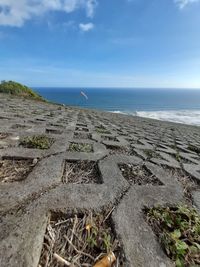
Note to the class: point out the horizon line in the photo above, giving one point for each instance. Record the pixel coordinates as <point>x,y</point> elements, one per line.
<point>113,87</point>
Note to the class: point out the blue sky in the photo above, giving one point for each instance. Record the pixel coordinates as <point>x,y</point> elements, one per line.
<point>101,43</point>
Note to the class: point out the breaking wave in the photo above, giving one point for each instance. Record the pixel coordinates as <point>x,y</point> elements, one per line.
<point>191,117</point>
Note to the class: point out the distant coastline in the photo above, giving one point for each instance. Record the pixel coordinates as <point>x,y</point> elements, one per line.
<point>176,105</point>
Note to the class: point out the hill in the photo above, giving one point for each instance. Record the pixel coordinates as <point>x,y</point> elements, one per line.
<point>14,88</point>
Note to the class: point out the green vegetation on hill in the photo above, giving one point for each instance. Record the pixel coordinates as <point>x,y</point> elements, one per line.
<point>14,88</point>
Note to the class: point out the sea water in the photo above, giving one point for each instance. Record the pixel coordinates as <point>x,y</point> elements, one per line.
<point>177,105</point>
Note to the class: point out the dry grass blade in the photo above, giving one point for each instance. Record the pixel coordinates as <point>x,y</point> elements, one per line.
<point>80,240</point>
<point>61,260</point>
<point>80,172</point>
<point>138,175</point>
<point>14,170</point>
<point>78,251</point>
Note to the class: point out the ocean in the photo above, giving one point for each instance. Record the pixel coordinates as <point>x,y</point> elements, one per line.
<point>176,105</point>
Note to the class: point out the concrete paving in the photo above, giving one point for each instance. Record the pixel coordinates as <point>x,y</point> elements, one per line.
<point>25,206</point>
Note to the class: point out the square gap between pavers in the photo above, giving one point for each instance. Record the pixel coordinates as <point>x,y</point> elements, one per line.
<point>81,172</point>
<point>15,169</point>
<point>40,120</point>
<point>82,135</point>
<point>139,175</point>
<point>177,230</point>
<point>52,131</point>
<point>81,125</point>
<point>116,150</point>
<point>81,239</point>
<point>56,125</point>
<point>36,142</point>
<point>109,138</point>
<point>102,130</point>
<point>19,126</point>
<point>81,147</point>
<point>81,129</point>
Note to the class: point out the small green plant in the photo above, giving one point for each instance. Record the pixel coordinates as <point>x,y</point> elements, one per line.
<point>178,157</point>
<point>150,153</point>
<point>173,147</point>
<point>194,148</point>
<point>37,141</point>
<point>178,229</point>
<point>98,236</point>
<point>80,147</point>
<point>92,237</point>
<point>102,130</point>
<point>107,241</point>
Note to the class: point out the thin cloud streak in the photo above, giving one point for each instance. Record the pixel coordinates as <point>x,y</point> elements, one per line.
<point>69,77</point>
<point>183,3</point>
<point>16,13</point>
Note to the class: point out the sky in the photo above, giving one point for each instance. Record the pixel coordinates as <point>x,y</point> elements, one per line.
<point>101,43</point>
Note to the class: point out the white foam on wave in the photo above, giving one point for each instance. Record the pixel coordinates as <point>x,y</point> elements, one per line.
<point>191,117</point>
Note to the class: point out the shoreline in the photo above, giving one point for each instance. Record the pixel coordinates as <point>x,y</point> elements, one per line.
<point>117,112</point>
<point>174,106</point>
<point>188,117</point>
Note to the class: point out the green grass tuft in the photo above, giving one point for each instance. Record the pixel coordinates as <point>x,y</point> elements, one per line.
<point>80,147</point>
<point>178,229</point>
<point>194,148</point>
<point>39,142</point>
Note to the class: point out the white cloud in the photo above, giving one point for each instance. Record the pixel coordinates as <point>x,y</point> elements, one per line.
<point>86,27</point>
<point>183,3</point>
<point>90,7</point>
<point>16,12</point>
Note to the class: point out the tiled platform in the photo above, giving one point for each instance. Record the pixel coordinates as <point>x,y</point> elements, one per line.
<point>111,142</point>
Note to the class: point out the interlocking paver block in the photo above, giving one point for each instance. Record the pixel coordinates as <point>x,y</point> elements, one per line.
<point>98,162</point>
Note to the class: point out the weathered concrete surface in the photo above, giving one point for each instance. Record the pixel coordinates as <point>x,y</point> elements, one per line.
<point>25,206</point>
